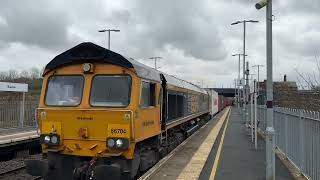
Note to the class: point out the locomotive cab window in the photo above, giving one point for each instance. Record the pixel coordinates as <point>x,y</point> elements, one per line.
<point>148,92</point>
<point>64,90</point>
<point>110,91</point>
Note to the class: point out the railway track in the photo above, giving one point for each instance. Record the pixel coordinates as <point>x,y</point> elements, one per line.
<point>15,170</point>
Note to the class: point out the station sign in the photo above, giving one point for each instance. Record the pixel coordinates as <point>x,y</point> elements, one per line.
<point>13,87</point>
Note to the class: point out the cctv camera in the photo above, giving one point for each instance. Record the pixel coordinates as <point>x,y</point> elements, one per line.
<point>261,4</point>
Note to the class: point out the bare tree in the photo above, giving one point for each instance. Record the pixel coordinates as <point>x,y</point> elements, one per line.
<point>12,74</point>
<point>34,73</point>
<point>3,76</point>
<point>25,74</point>
<point>310,79</point>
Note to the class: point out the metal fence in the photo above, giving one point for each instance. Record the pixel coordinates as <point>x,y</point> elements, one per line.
<point>297,136</point>
<point>11,115</point>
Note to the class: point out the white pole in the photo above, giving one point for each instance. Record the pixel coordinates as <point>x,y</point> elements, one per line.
<point>247,90</point>
<point>251,108</point>
<point>109,39</point>
<point>255,116</point>
<point>235,90</point>
<point>22,110</point>
<point>238,84</point>
<point>244,73</point>
<point>270,131</point>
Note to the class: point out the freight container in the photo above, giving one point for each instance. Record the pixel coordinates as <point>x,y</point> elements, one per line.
<point>213,104</point>
<point>221,103</point>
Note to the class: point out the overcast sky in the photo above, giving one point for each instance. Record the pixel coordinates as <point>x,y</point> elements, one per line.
<point>194,37</point>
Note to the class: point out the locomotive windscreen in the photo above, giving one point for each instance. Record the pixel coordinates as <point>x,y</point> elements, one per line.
<point>110,91</point>
<point>64,90</point>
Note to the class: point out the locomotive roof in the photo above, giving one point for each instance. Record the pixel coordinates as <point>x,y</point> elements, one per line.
<point>90,52</point>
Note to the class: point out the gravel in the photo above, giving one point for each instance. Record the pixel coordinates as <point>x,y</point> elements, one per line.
<point>15,169</point>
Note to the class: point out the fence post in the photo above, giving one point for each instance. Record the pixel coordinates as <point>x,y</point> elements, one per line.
<point>255,122</point>
<point>285,133</point>
<point>301,140</point>
<point>22,110</point>
<point>251,116</point>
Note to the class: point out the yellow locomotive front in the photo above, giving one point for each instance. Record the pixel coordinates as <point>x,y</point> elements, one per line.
<point>79,112</point>
<point>90,116</point>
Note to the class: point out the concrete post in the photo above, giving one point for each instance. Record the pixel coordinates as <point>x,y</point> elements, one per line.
<point>22,111</point>
<point>255,116</point>
<point>238,84</point>
<point>270,156</point>
<point>244,72</point>
<point>109,39</point>
<point>251,115</point>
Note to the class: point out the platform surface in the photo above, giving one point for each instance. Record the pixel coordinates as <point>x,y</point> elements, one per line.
<point>13,136</point>
<point>238,158</point>
<point>188,162</point>
<point>199,158</point>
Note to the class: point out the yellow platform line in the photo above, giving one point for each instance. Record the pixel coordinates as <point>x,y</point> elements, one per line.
<point>194,167</point>
<point>216,160</point>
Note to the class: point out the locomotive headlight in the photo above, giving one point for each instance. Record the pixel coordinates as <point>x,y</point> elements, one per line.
<point>87,68</point>
<point>50,139</point>
<point>54,139</point>
<point>110,143</point>
<point>119,143</point>
<point>47,139</point>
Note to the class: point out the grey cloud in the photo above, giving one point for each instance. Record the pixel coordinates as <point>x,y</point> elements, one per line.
<point>33,25</point>
<point>300,7</point>
<point>297,40</point>
<point>191,36</point>
<point>185,25</point>
<point>122,16</point>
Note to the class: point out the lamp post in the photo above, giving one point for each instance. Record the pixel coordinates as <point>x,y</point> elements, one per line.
<point>155,61</point>
<point>270,156</point>
<point>235,91</point>
<point>258,66</point>
<point>109,30</point>
<point>238,85</point>
<point>251,78</point>
<point>251,92</point>
<point>255,115</point>
<point>245,91</point>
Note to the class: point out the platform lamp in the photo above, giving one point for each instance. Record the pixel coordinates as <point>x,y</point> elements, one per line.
<point>270,131</point>
<point>244,69</point>
<point>109,30</point>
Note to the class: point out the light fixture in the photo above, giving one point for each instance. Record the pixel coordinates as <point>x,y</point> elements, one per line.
<point>110,143</point>
<point>47,139</point>
<point>50,139</point>
<point>54,139</point>
<point>86,67</point>
<point>119,143</point>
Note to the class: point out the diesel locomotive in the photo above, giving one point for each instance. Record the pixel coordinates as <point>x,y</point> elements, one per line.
<point>105,116</point>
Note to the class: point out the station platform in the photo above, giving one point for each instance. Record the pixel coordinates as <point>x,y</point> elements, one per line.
<point>221,150</point>
<point>11,137</point>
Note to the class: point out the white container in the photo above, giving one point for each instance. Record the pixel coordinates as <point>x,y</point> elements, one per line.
<point>213,101</point>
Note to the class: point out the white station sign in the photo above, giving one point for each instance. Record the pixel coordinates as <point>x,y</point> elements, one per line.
<point>13,87</point>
